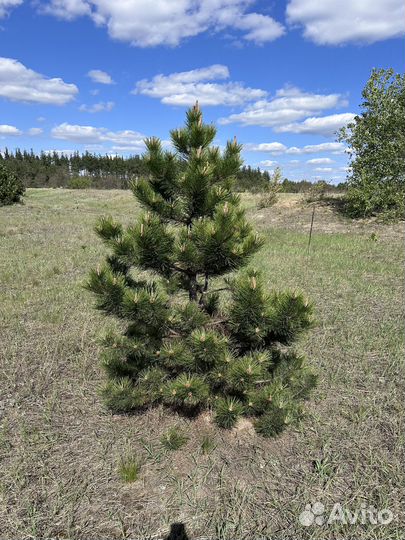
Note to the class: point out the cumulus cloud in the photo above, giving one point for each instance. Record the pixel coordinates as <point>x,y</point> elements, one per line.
<point>320,161</point>
<point>267,163</point>
<point>259,28</point>
<point>288,105</point>
<point>276,148</point>
<point>332,22</point>
<point>325,125</point>
<point>6,130</point>
<point>7,5</point>
<point>332,147</point>
<point>130,140</point>
<point>98,107</point>
<point>271,148</point>
<point>66,9</point>
<point>186,87</point>
<point>34,131</point>
<point>168,22</point>
<point>100,77</point>
<point>323,169</point>
<point>19,83</point>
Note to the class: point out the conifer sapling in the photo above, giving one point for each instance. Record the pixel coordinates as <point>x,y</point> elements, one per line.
<point>194,337</point>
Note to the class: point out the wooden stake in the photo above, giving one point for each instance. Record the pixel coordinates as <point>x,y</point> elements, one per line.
<point>310,230</point>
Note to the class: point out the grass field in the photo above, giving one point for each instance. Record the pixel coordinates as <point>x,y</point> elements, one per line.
<point>70,469</point>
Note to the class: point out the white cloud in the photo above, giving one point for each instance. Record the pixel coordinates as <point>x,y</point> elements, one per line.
<point>289,105</point>
<point>100,77</point>
<point>7,5</point>
<point>323,169</point>
<point>6,130</point>
<point>276,148</point>
<point>186,87</point>
<point>35,131</point>
<point>267,163</point>
<point>67,9</point>
<point>19,83</point>
<point>333,147</point>
<point>332,22</point>
<point>167,22</point>
<point>272,148</point>
<point>131,140</point>
<point>325,125</point>
<point>260,28</point>
<point>98,107</point>
<point>320,161</point>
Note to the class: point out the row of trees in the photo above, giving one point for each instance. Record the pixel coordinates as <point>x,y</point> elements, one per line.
<point>54,169</point>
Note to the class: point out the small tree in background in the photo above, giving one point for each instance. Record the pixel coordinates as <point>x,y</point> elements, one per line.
<point>181,346</point>
<point>318,191</point>
<point>11,187</point>
<point>270,195</point>
<point>376,140</point>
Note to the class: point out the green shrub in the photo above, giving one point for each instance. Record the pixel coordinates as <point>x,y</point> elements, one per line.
<point>376,144</point>
<point>365,199</point>
<point>11,187</point>
<point>80,182</point>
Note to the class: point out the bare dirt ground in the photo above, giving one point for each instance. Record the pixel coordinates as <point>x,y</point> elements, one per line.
<point>60,450</point>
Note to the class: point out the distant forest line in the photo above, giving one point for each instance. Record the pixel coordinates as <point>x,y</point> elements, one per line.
<point>87,170</point>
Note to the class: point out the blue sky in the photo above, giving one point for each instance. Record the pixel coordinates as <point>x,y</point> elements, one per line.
<point>282,76</point>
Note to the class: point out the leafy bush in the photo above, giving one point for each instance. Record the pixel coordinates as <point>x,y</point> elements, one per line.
<point>366,198</point>
<point>80,182</point>
<point>182,346</point>
<point>11,187</point>
<point>376,142</point>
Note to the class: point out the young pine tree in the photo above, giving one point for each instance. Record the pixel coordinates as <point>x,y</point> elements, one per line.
<point>182,346</point>
<point>270,194</point>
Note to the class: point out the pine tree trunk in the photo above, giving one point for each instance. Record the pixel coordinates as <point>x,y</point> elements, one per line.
<point>193,288</point>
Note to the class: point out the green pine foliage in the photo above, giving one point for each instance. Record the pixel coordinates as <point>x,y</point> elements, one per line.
<point>194,337</point>
<point>11,187</point>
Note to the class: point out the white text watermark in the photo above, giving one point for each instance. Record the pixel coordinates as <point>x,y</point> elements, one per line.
<point>316,514</point>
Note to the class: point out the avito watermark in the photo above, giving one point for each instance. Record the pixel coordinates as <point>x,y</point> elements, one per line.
<point>316,514</point>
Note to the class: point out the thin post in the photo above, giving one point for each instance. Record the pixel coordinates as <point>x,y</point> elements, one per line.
<point>310,230</point>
